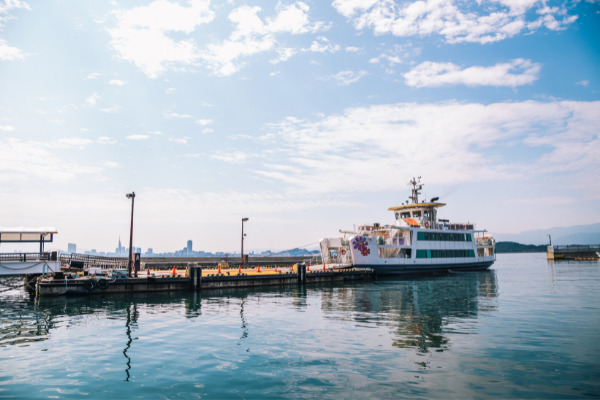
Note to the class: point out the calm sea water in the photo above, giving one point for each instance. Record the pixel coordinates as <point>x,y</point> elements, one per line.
<point>524,329</point>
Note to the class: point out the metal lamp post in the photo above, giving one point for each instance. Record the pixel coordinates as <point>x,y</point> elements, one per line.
<point>243,258</point>
<point>132,197</point>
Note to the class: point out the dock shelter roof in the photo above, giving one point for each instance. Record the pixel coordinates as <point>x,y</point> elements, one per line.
<point>27,235</point>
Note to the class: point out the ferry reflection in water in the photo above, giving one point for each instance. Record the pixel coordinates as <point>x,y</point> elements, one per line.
<point>421,311</point>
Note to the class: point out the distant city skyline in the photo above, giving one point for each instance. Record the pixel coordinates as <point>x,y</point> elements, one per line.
<point>305,116</point>
<point>187,251</point>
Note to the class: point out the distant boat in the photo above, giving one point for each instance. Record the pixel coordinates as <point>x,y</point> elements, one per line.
<point>417,242</point>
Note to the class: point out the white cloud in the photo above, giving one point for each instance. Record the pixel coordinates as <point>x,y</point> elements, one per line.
<point>183,140</point>
<point>116,82</point>
<point>584,82</point>
<point>10,53</point>
<point>353,49</point>
<point>177,115</point>
<point>142,34</point>
<point>106,140</point>
<point>111,164</point>
<point>348,77</point>
<point>23,160</point>
<point>198,121</point>
<point>517,72</point>
<point>71,142</point>
<point>203,122</point>
<point>449,143</point>
<point>138,137</point>
<point>235,157</point>
<point>456,21</point>
<point>111,110</point>
<point>284,54</point>
<point>7,128</point>
<point>323,45</point>
<point>252,35</point>
<point>394,56</point>
<point>92,99</point>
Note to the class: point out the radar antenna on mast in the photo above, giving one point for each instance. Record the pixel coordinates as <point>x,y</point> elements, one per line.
<point>416,189</point>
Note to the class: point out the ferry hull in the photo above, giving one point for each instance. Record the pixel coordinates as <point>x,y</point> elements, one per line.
<point>395,270</point>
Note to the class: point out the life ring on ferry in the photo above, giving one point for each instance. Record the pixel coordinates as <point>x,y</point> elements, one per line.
<point>426,224</point>
<point>343,252</point>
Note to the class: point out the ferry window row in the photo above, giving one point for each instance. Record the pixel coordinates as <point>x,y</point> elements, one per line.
<point>445,253</point>
<point>444,237</point>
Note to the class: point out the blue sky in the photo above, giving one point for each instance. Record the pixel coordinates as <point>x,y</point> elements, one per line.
<point>305,116</point>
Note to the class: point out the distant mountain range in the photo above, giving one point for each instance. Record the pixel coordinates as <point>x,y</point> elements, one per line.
<point>579,234</point>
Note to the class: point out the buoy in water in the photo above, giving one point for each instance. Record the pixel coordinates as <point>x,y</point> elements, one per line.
<point>174,270</point>
<point>240,269</point>
<point>258,269</point>
<point>219,269</point>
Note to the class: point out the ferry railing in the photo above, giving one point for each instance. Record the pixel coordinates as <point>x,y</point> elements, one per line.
<point>452,226</point>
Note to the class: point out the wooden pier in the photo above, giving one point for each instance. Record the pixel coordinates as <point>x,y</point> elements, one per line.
<point>193,278</point>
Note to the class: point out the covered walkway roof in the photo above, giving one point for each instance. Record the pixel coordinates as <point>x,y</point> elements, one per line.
<point>27,235</point>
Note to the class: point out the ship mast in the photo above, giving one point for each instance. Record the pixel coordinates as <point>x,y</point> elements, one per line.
<point>416,189</point>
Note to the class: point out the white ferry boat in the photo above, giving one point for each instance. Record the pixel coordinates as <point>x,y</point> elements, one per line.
<point>418,242</point>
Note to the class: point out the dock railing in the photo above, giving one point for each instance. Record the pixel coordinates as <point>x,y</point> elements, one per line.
<point>25,257</point>
<point>576,247</point>
<point>87,261</point>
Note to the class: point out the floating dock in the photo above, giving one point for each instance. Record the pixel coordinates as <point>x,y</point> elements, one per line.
<point>574,252</point>
<point>192,278</point>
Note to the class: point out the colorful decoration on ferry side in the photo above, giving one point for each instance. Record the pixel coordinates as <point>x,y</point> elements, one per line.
<point>360,243</point>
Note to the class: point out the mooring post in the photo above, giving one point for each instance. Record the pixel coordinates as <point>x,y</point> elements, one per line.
<point>300,269</point>
<point>196,276</point>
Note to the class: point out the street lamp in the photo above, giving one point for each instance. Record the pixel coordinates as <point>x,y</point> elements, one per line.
<point>243,258</point>
<point>132,197</point>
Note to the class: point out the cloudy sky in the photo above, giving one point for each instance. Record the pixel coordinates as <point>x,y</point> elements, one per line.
<point>305,116</point>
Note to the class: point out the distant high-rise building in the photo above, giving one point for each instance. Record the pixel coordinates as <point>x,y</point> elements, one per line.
<point>72,248</point>
<point>189,247</point>
<point>120,250</point>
